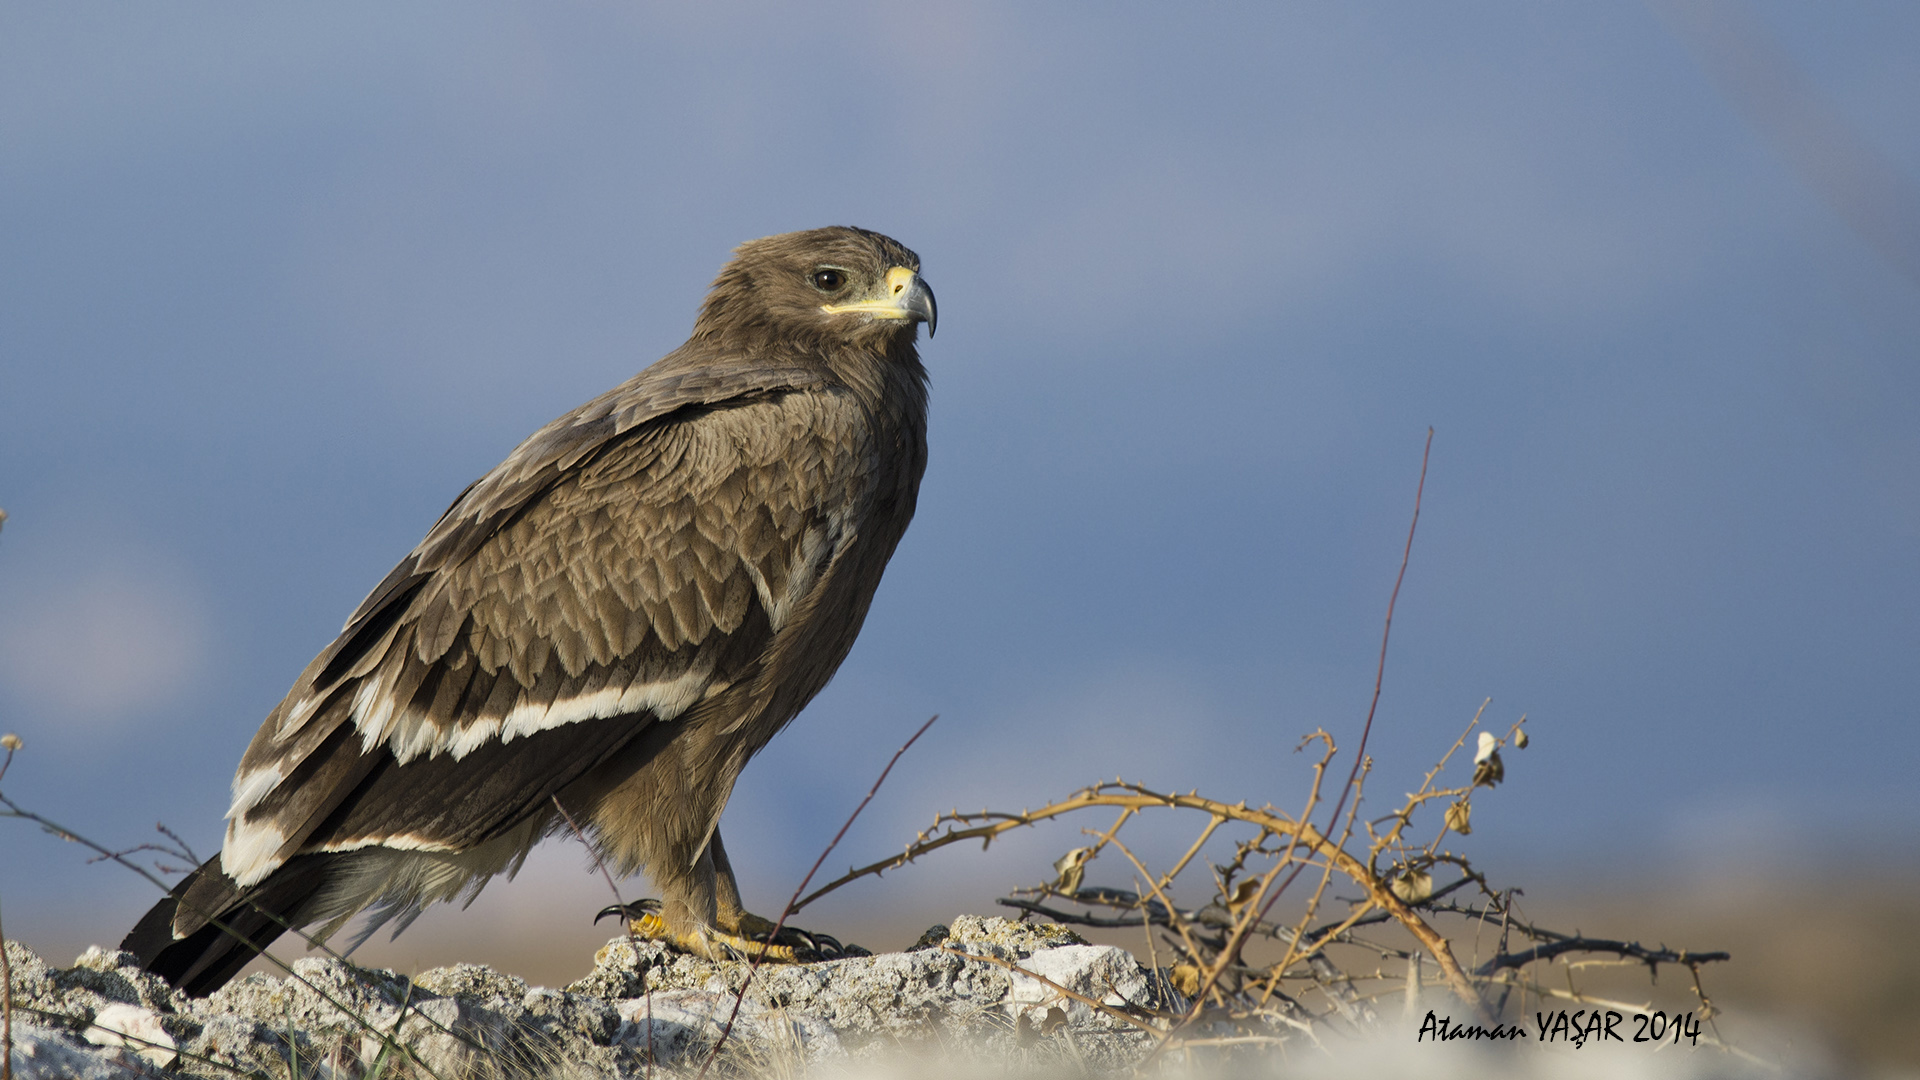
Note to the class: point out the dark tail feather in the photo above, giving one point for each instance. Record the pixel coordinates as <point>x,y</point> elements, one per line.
<point>179,942</point>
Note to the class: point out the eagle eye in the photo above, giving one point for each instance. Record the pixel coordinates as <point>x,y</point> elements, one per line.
<point>828,280</point>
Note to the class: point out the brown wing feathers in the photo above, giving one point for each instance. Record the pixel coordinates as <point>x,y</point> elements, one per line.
<point>594,602</point>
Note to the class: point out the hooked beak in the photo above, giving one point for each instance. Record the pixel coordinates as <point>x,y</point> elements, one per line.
<point>903,296</point>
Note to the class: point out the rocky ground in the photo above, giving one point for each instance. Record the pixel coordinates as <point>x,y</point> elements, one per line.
<point>643,1010</point>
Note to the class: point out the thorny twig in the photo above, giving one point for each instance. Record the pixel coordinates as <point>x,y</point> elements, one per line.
<point>1629,950</point>
<point>951,828</point>
<point>1395,891</point>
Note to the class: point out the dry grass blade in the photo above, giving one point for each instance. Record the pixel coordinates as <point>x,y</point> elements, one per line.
<point>6,1008</point>
<point>11,809</point>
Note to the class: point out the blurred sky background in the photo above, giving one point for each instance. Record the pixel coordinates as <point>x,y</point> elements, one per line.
<point>277,281</point>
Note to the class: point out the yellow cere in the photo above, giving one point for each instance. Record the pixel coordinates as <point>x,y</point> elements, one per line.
<point>892,305</point>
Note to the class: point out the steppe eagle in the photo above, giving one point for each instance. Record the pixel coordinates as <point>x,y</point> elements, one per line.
<point>615,617</point>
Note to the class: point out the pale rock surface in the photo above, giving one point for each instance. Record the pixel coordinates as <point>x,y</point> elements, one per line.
<point>132,1028</point>
<point>42,1053</point>
<point>1102,973</point>
<point>642,1007</point>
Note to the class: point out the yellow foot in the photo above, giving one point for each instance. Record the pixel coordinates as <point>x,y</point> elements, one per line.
<point>807,945</point>
<point>738,935</point>
<point>714,943</point>
<point>749,925</point>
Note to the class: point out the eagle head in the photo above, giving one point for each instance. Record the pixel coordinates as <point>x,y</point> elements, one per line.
<point>827,288</point>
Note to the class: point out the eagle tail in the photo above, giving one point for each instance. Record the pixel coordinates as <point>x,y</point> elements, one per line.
<point>209,927</point>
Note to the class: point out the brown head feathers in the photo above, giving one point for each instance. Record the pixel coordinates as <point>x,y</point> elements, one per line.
<point>773,297</point>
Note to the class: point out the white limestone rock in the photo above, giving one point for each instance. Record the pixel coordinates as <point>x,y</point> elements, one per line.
<point>44,1053</point>
<point>134,1029</point>
<point>642,1006</point>
<point>1102,973</point>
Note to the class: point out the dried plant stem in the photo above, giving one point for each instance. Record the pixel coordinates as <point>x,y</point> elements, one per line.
<point>1249,916</point>
<point>793,904</point>
<point>1300,933</point>
<point>1146,931</point>
<point>1380,671</point>
<point>1173,914</point>
<point>1112,830</point>
<point>1426,793</point>
<point>1386,633</point>
<point>594,854</point>
<point>1166,880</point>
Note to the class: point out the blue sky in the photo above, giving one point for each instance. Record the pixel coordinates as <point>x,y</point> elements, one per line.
<point>278,281</point>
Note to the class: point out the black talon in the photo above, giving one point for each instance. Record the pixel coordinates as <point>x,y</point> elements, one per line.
<point>644,906</point>
<point>823,944</point>
<point>817,945</point>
